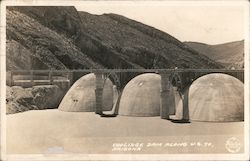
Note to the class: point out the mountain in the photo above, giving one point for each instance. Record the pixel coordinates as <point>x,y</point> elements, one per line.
<point>231,54</point>
<point>62,38</point>
<point>48,46</point>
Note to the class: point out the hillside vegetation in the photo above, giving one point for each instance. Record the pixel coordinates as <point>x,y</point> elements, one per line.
<point>231,55</point>
<point>63,38</point>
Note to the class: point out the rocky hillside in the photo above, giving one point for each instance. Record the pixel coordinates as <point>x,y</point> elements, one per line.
<point>63,38</point>
<point>229,54</point>
<point>46,47</point>
<point>20,99</point>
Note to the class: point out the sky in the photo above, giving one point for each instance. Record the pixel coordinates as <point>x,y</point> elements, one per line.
<point>200,22</point>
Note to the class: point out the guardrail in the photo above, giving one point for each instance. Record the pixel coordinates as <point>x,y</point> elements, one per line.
<point>39,77</point>
<point>128,70</point>
<point>68,74</point>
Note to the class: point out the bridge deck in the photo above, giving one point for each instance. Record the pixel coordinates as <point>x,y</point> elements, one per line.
<point>126,70</point>
<point>122,75</point>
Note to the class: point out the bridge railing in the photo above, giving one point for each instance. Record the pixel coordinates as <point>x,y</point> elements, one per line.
<point>29,78</point>
<point>128,70</point>
<point>34,77</point>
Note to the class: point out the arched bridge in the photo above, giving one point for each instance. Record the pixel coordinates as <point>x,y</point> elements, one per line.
<point>180,78</point>
<point>120,77</point>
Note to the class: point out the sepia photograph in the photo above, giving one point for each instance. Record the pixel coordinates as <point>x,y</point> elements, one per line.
<point>124,80</point>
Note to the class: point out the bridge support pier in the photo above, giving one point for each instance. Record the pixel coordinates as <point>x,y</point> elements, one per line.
<point>99,93</point>
<point>165,96</point>
<point>11,79</point>
<point>185,112</point>
<point>70,78</point>
<point>50,77</point>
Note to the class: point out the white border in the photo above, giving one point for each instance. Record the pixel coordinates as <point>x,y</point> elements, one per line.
<point>246,78</point>
<point>3,81</point>
<point>245,156</point>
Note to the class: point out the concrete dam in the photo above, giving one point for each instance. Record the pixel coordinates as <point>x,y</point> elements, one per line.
<point>195,95</point>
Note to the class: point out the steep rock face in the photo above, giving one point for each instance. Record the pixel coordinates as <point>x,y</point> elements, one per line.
<point>48,96</point>
<point>19,57</point>
<point>61,37</point>
<point>53,49</point>
<point>64,20</point>
<point>138,43</point>
<point>231,55</point>
<point>20,99</point>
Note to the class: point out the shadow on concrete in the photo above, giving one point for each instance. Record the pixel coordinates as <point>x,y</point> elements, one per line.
<point>182,121</point>
<point>108,115</point>
<point>185,114</point>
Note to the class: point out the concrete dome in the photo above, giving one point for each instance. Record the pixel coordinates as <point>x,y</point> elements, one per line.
<point>81,96</point>
<point>215,97</point>
<point>141,96</point>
